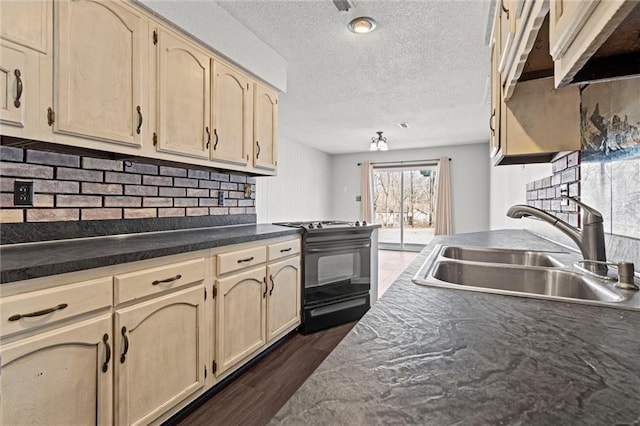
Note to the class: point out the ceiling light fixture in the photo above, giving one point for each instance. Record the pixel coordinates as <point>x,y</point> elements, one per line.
<point>379,143</point>
<point>362,25</point>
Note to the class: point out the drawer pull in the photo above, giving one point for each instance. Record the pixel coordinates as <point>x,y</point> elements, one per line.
<point>285,250</point>
<point>248,259</point>
<point>105,366</point>
<point>123,357</point>
<point>38,313</point>
<point>167,280</point>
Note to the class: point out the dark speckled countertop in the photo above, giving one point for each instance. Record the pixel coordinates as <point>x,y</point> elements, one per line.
<point>24,261</point>
<point>426,355</point>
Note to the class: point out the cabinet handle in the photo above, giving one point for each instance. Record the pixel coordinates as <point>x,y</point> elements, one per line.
<point>167,280</point>
<point>105,366</point>
<point>38,313</point>
<point>215,144</point>
<point>208,136</point>
<point>272,285</point>
<point>258,153</point>
<point>123,357</point>
<point>504,9</point>
<point>19,87</point>
<point>139,119</point>
<point>248,259</point>
<point>266,287</point>
<point>285,250</point>
<point>493,131</point>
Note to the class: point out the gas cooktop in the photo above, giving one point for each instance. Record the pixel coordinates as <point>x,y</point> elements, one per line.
<point>324,224</point>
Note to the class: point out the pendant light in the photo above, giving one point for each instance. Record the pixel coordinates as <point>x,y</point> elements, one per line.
<point>379,143</point>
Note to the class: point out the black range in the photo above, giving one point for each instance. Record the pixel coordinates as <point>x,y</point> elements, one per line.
<point>336,271</point>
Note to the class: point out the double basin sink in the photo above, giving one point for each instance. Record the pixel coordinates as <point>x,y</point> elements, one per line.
<point>524,273</point>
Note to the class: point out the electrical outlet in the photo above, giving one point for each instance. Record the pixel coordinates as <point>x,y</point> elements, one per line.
<point>221,198</point>
<point>22,193</point>
<point>247,190</point>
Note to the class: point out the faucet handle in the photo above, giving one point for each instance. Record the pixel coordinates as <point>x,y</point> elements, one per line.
<point>590,215</point>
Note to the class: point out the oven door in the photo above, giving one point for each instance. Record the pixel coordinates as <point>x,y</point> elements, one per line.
<point>336,267</point>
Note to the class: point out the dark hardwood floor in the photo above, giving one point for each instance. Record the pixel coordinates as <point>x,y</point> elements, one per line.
<point>256,396</point>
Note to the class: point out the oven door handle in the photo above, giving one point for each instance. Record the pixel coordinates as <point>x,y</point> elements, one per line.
<point>324,248</point>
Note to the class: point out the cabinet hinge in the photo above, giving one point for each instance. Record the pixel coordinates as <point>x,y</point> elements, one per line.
<point>214,367</point>
<point>51,116</point>
<point>205,294</point>
<point>276,102</point>
<point>214,292</point>
<point>205,371</point>
<point>247,86</point>
<point>155,37</point>
<point>155,139</point>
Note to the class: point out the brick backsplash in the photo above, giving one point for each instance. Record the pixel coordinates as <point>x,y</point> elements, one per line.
<point>77,188</point>
<point>546,193</point>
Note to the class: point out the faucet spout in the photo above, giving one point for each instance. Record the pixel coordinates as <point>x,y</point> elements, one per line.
<point>520,210</point>
<point>590,240</point>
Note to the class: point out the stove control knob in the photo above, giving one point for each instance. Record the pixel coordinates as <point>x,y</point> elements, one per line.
<point>357,223</point>
<point>319,225</point>
<point>311,226</point>
<point>364,223</point>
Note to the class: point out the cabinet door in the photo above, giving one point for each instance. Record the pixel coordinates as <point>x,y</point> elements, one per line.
<point>26,23</point>
<point>183,97</point>
<point>60,377</point>
<point>14,78</point>
<point>566,20</point>
<point>231,109</point>
<point>265,124</point>
<point>241,310</point>
<point>159,354</point>
<point>283,309</point>
<point>496,92</point>
<point>99,70</point>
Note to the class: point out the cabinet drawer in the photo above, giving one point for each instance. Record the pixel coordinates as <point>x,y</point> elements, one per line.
<point>283,249</point>
<point>135,285</point>
<point>38,308</point>
<point>240,259</point>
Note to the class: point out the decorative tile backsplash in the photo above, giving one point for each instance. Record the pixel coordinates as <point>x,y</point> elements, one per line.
<point>546,194</point>
<point>610,122</point>
<point>78,188</point>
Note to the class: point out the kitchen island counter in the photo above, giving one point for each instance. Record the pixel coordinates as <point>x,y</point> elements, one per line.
<point>32,260</point>
<point>427,355</point>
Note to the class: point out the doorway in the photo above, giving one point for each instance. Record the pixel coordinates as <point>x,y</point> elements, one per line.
<point>403,203</point>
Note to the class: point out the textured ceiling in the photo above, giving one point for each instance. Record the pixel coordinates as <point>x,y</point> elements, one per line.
<point>425,64</point>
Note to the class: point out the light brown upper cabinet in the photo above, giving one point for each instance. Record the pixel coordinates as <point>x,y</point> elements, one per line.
<point>594,40</point>
<point>520,28</point>
<point>265,124</point>
<point>99,71</point>
<point>231,115</point>
<point>183,97</point>
<point>496,93</point>
<point>15,76</point>
<point>26,23</point>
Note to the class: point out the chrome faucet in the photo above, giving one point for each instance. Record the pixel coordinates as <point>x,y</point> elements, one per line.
<point>590,239</point>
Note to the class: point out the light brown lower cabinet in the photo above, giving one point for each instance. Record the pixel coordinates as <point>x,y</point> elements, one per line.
<point>63,376</point>
<point>159,357</point>
<point>137,345</point>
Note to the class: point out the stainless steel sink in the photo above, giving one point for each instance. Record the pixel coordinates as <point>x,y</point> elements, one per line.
<point>494,255</point>
<point>523,273</point>
<point>540,281</point>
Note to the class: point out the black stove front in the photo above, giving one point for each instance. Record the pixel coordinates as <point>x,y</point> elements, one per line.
<point>336,273</point>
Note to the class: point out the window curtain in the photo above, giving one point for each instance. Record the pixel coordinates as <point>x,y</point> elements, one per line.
<point>366,191</point>
<point>443,225</point>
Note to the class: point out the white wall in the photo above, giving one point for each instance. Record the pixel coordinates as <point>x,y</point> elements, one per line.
<point>469,181</point>
<point>210,23</point>
<point>302,189</point>
<point>509,187</point>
